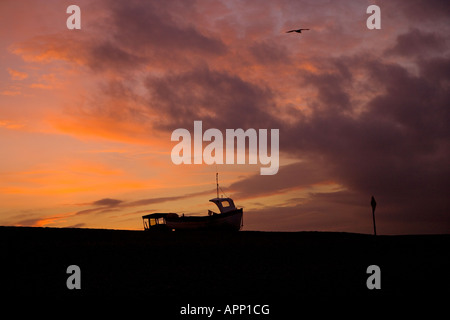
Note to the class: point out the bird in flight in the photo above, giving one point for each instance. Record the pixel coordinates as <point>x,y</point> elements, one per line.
<point>298,30</point>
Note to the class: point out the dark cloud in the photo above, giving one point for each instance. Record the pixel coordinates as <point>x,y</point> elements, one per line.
<point>396,148</point>
<point>144,202</point>
<point>107,55</point>
<point>419,11</point>
<point>107,202</point>
<point>332,88</point>
<point>90,211</point>
<point>28,222</point>
<point>393,145</point>
<point>155,29</point>
<point>292,176</point>
<point>128,36</point>
<point>269,52</point>
<point>155,33</point>
<point>111,205</point>
<point>437,70</point>
<point>335,211</point>
<point>416,42</point>
<point>216,97</point>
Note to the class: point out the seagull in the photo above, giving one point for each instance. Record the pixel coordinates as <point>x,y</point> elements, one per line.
<point>298,30</point>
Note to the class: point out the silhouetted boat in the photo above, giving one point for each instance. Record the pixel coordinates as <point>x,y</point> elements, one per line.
<point>229,218</point>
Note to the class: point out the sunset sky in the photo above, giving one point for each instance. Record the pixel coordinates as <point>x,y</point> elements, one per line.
<point>86,116</point>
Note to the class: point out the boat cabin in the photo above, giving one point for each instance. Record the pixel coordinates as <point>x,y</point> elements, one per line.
<point>154,221</point>
<point>224,204</point>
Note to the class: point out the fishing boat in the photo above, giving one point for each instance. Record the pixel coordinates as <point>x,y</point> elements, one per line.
<point>229,218</point>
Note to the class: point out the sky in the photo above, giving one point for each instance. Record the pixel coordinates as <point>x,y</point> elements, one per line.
<point>86,116</point>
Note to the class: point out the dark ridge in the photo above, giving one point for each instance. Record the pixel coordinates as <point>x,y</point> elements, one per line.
<point>260,265</point>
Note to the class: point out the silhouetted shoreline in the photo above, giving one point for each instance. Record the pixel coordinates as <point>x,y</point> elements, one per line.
<point>241,265</point>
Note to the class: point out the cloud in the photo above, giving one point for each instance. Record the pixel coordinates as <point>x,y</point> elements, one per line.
<point>390,141</point>
<point>138,34</point>
<point>52,47</point>
<point>10,93</point>
<point>48,220</point>
<point>17,75</point>
<point>332,211</point>
<point>290,177</point>
<point>10,124</point>
<point>219,98</point>
<point>269,52</point>
<point>416,42</point>
<point>41,86</point>
<point>420,11</point>
<point>161,28</point>
<point>395,148</point>
<point>106,56</point>
<point>107,202</point>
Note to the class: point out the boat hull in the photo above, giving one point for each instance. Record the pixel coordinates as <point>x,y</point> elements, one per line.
<point>231,221</point>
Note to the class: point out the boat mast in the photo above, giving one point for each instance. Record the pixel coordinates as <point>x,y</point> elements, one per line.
<point>217,184</point>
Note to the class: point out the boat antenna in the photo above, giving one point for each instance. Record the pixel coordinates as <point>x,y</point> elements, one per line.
<point>217,183</point>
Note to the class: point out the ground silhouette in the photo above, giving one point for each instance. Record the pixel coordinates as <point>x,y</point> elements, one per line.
<point>256,266</point>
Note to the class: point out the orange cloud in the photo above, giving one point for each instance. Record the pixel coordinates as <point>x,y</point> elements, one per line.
<point>106,128</point>
<point>53,219</point>
<point>48,48</point>
<point>10,93</point>
<point>17,75</point>
<point>41,86</point>
<point>10,125</point>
